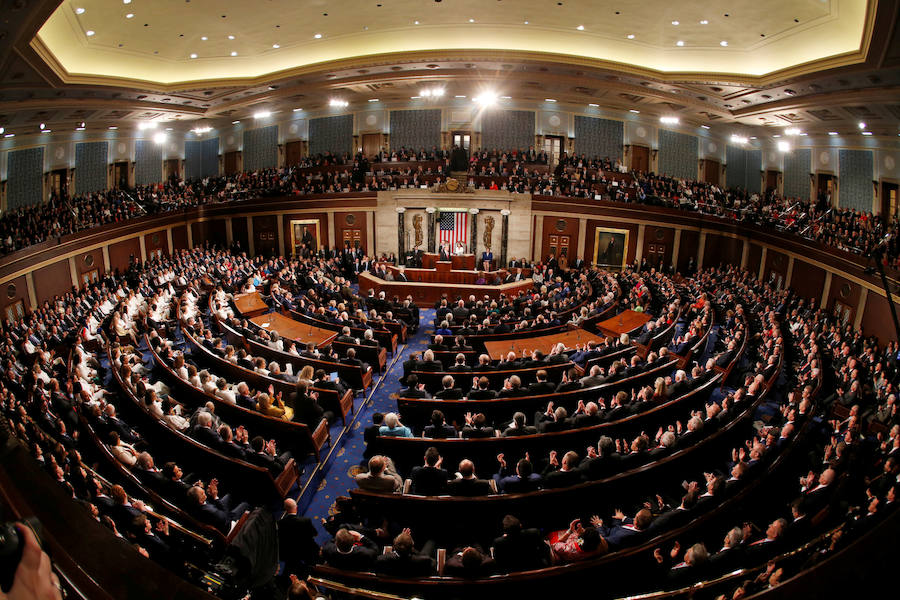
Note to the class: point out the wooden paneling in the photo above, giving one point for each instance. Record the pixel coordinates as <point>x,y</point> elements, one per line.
<point>179,238</point>
<point>560,235</point>
<point>90,261</point>
<point>52,280</point>
<point>239,232</point>
<point>321,217</point>
<point>232,162</point>
<point>844,295</point>
<point>293,153</point>
<point>711,170</point>
<point>658,242</point>
<point>212,231</point>
<point>350,226</point>
<point>156,241</point>
<point>640,158</point>
<point>592,225</point>
<point>722,249</point>
<point>808,280</point>
<point>122,253</point>
<point>265,235</point>
<point>690,244</point>
<point>753,258</point>
<point>776,267</point>
<point>15,298</point>
<point>877,320</point>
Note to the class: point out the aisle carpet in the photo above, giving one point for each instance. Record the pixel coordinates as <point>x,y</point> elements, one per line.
<point>348,456</point>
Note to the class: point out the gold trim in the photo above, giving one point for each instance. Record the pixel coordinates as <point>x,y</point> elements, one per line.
<point>597,232</point>
<point>294,223</point>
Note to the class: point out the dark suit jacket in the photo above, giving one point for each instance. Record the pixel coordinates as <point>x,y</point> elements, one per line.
<point>297,542</point>
<point>441,433</point>
<point>469,487</point>
<point>360,558</point>
<point>407,565</point>
<point>429,481</point>
<point>450,394</point>
<point>519,551</point>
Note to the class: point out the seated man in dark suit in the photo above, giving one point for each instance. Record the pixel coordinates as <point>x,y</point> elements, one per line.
<point>369,339</point>
<point>350,551</point>
<point>623,530</point>
<point>470,562</point>
<point>587,415</point>
<point>411,364</point>
<point>466,483</point>
<point>476,427</point>
<point>553,420</point>
<point>512,388</point>
<point>404,561</point>
<point>542,385</point>
<point>430,479</point>
<point>414,388</point>
<point>518,426</point>
<point>459,365</point>
<point>345,336</point>
<point>556,476</point>
<point>481,392</point>
<point>265,454</point>
<point>438,344</point>
<point>523,480</point>
<point>212,510</point>
<point>439,429</point>
<point>519,549</point>
<point>353,361</point>
<point>297,539</point>
<point>429,363</point>
<point>449,391</point>
<point>460,344</point>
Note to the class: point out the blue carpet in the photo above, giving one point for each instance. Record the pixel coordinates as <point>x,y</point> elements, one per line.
<point>345,463</point>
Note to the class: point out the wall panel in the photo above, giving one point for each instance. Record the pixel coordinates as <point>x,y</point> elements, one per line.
<point>25,174</point>
<point>722,250</point>
<point>122,253</point>
<point>53,280</point>
<point>147,162</point>
<point>688,249</point>
<point>796,174</point>
<point>331,134</point>
<point>239,232</point>
<point>415,129</point>
<point>260,149</point>
<point>91,160</point>
<point>807,280</point>
<point>179,237</point>
<point>677,154</point>
<point>507,129</point>
<point>599,137</point>
<point>856,175</point>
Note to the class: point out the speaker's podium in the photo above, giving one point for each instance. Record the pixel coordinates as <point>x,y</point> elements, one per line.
<point>463,262</point>
<point>443,266</point>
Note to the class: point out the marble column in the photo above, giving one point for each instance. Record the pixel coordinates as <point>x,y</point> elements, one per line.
<point>401,235</point>
<point>504,237</point>
<point>432,221</point>
<point>473,244</point>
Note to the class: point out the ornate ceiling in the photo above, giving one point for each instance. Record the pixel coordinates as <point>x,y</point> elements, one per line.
<point>818,65</point>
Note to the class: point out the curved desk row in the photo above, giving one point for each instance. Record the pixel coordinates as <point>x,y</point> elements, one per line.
<point>431,291</point>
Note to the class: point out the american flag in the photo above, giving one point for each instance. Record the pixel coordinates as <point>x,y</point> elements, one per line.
<point>454,227</point>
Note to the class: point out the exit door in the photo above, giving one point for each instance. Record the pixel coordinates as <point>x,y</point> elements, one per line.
<point>120,175</point>
<point>59,183</point>
<point>640,158</point>
<point>462,139</point>
<point>559,247</point>
<point>553,148</point>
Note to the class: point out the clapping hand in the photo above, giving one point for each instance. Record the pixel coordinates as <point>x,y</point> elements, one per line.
<point>553,458</point>
<point>501,460</point>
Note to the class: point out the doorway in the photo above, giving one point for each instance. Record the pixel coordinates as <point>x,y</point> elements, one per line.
<point>462,139</point>
<point>640,159</point>
<point>120,175</point>
<point>293,153</point>
<point>232,162</point>
<point>59,183</point>
<point>711,171</point>
<point>553,145</point>
<point>173,169</point>
<point>371,144</point>
<point>559,247</point>
<point>889,207</point>
<point>771,181</point>
<point>825,188</point>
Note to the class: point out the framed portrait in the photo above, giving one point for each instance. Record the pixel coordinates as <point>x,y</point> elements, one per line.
<point>610,247</point>
<point>305,231</point>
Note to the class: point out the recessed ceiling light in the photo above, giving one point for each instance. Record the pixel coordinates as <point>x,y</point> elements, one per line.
<point>862,125</point>
<point>276,46</point>
<point>230,37</point>
<point>777,135</point>
<point>89,32</point>
<point>9,135</point>
<point>580,28</point>
<point>2,129</point>
<point>234,53</point>
<point>204,38</point>
<point>460,96</point>
<point>669,120</point>
<point>752,137</point>
<point>549,99</point>
<point>679,43</point>
<point>373,99</point>
<point>262,114</point>
<point>832,133</point>
<point>79,129</point>
<point>415,22</point>
<point>113,127</point>
<point>318,36</point>
<point>126,1</point>
<point>79,11</point>
<point>630,36</point>
<point>204,128</point>
<point>634,111</point>
<point>295,110</point>
<point>160,137</point>
<point>705,126</point>
<point>235,122</point>
<point>193,56</point>
<point>592,104</point>
<point>471,20</point>
<point>526,22</point>
<point>867,133</point>
<point>784,146</point>
<point>723,43</point>
<point>509,98</point>
<point>738,139</point>
<point>47,131</point>
<point>129,16</point>
<point>42,126</point>
<point>675,23</point>
<point>704,22</point>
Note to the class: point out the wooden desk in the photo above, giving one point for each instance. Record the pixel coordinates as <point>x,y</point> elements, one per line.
<point>625,322</point>
<point>545,343</point>
<point>463,261</point>
<point>429,258</point>
<point>432,291</point>
<point>294,330</point>
<point>447,276</point>
<point>250,305</point>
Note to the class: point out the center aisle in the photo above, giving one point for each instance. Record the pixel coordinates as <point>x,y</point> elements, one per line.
<point>346,464</point>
